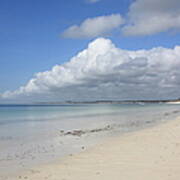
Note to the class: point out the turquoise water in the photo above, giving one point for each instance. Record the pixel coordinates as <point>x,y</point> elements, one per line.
<point>27,113</point>
<point>35,122</point>
<point>37,134</point>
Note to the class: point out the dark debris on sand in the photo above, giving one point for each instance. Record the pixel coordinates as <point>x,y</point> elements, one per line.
<point>82,132</point>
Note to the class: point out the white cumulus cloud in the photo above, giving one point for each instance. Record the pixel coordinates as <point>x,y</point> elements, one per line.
<point>144,17</point>
<point>103,71</point>
<point>147,17</point>
<point>93,27</point>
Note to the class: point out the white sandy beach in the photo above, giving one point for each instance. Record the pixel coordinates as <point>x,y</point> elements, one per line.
<point>148,154</point>
<point>174,102</point>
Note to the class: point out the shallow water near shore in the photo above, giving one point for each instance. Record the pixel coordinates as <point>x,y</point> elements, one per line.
<point>33,135</point>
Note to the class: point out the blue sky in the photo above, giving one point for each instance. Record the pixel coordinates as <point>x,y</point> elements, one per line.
<point>31,35</point>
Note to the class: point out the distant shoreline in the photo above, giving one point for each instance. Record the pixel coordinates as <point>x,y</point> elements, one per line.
<point>169,101</point>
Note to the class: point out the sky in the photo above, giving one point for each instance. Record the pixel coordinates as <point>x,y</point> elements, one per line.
<point>89,49</point>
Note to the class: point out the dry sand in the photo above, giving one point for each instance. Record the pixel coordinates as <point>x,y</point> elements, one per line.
<point>149,154</point>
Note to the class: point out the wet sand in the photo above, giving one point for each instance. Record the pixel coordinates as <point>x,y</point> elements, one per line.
<point>152,153</point>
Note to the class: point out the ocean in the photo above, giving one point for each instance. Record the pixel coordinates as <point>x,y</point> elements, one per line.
<point>36,134</point>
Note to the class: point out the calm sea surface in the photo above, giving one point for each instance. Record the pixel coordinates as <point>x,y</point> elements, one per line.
<point>31,135</point>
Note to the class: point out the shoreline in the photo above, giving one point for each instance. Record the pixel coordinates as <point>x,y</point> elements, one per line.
<point>151,153</point>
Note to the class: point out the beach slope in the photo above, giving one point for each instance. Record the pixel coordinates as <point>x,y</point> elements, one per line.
<point>148,154</point>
